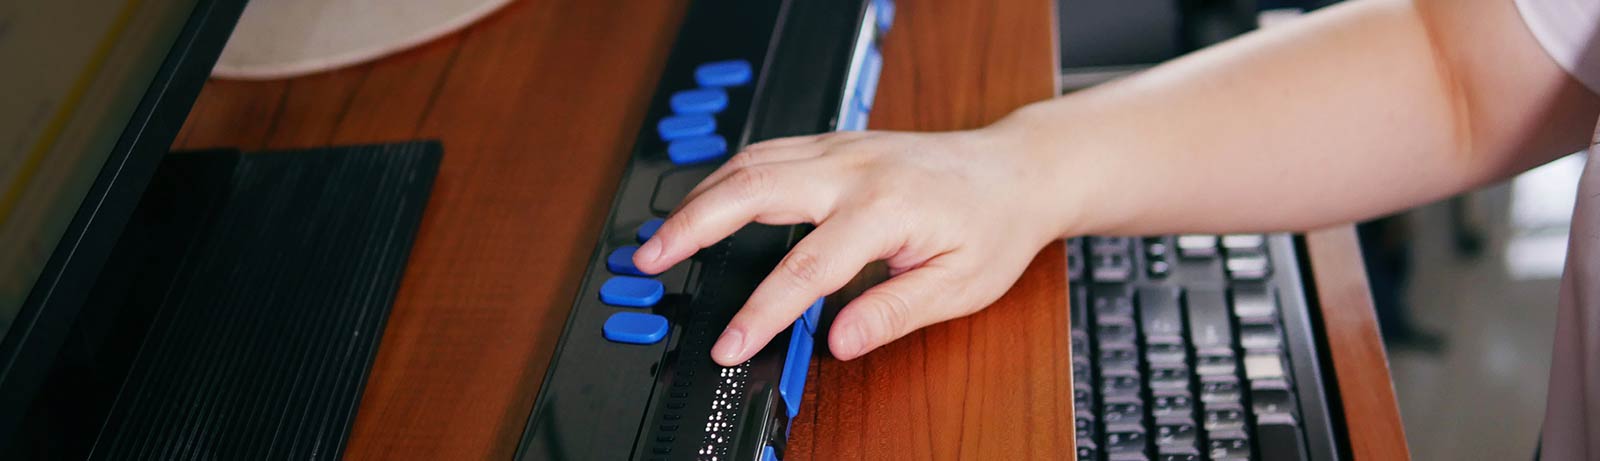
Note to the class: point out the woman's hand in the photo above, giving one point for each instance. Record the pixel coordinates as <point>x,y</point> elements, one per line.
<point>957,216</point>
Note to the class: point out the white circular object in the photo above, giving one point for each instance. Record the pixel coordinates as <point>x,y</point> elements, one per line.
<point>288,38</point>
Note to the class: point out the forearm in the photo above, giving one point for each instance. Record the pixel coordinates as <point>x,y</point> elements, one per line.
<point>1360,110</point>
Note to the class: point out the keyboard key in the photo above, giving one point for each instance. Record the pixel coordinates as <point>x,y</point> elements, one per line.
<point>1269,401</point>
<point>648,229</point>
<point>1216,362</point>
<point>697,149</point>
<point>1115,332</point>
<point>1169,377</point>
<point>682,126</point>
<point>1252,301</point>
<point>1125,440</point>
<point>1224,417</point>
<point>1209,323</point>
<point>1259,336</point>
<point>1110,267</point>
<point>621,261</point>
<point>699,101</point>
<point>1111,303</point>
<point>1248,267</point>
<point>1159,314</point>
<point>1278,438</point>
<point>1176,434</point>
<point>1084,424</point>
<point>1125,410</point>
<point>630,291</point>
<point>1231,444</point>
<point>635,328</point>
<point>1119,357</point>
<point>733,72</point>
<point>1197,245</point>
<point>1116,383</point>
<point>1087,451</point>
<point>1219,389</point>
<point>1238,242</point>
<point>1165,354</point>
<point>1177,403</point>
<point>1263,365</point>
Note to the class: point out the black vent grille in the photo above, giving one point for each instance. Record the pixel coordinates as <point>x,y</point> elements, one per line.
<point>262,344</point>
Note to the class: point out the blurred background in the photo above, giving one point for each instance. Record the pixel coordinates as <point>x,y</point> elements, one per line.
<point>1465,289</point>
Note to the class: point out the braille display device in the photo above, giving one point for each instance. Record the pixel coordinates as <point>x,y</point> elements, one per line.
<point>632,376</point>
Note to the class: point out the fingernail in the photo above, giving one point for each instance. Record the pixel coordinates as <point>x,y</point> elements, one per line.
<point>728,346</point>
<point>649,252</point>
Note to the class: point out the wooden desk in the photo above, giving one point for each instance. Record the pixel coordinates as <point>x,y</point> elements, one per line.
<point>537,107</point>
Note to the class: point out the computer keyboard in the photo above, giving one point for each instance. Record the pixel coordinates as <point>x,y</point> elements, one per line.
<point>1195,347</point>
<point>632,376</point>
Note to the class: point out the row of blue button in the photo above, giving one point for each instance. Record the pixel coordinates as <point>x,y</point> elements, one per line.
<point>633,288</point>
<point>690,132</point>
<point>860,103</point>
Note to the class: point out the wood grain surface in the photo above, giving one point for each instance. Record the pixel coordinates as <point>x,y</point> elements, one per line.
<point>537,107</point>
<point>1361,368</point>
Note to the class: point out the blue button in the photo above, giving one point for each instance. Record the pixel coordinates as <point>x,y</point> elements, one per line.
<point>688,151</point>
<point>812,316</point>
<point>699,101</point>
<point>683,126</point>
<point>628,291</point>
<point>648,229</point>
<point>871,68</point>
<point>733,72</point>
<point>767,454</point>
<point>793,382</point>
<point>621,261</point>
<point>885,15</point>
<point>635,328</point>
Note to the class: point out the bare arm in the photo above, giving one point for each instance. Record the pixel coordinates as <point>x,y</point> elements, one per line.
<point>1359,110</point>
<point>1364,109</point>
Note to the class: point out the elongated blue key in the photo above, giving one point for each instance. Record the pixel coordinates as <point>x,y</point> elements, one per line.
<point>683,126</point>
<point>648,229</point>
<point>698,149</point>
<point>635,328</point>
<point>699,101</point>
<point>621,261</point>
<point>733,72</point>
<point>627,291</point>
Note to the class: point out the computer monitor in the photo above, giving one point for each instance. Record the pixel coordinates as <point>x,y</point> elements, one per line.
<point>93,94</point>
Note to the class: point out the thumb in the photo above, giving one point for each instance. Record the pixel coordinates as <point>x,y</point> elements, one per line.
<point>894,308</point>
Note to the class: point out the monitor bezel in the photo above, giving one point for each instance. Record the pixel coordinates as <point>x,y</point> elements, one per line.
<point>30,347</point>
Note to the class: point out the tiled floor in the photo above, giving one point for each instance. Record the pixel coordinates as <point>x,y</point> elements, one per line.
<point>1483,396</point>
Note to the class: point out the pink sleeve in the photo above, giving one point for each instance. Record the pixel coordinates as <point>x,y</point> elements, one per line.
<point>1566,29</point>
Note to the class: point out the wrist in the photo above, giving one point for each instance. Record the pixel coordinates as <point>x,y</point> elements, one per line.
<point>1063,174</point>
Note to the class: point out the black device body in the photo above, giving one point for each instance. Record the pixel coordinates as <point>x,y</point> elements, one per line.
<point>47,315</point>
<point>668,400</point>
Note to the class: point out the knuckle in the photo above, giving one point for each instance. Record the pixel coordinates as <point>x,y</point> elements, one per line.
<point>893,311</point>
<point>751,181</point>
<point>804,267</point>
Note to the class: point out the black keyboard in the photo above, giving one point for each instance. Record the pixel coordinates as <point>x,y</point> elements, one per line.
<point>1195,347</point>
<point>632,376</point>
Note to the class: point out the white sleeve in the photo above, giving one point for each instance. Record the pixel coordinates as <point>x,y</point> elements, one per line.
<point>1567,31</point>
